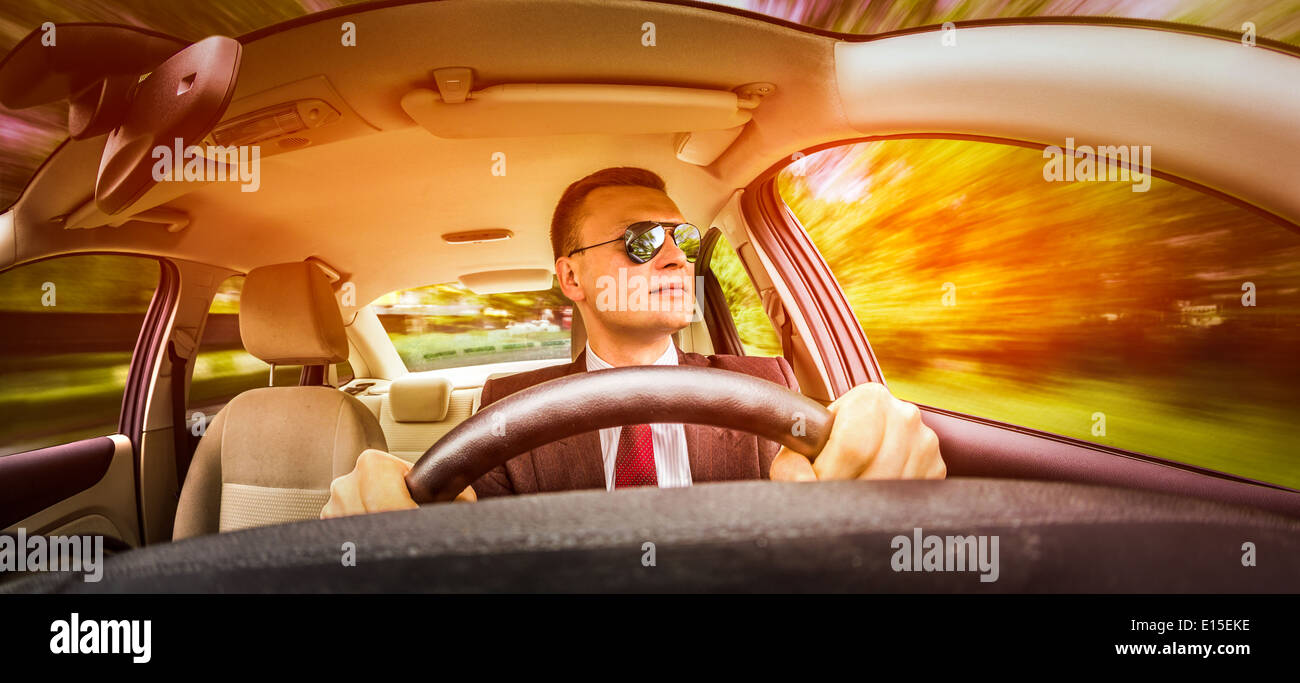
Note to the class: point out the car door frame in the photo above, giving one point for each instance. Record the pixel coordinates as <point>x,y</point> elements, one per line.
<point>81,473</point>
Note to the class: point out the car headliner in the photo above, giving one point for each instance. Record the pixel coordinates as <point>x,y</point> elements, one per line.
<point>375,204</point>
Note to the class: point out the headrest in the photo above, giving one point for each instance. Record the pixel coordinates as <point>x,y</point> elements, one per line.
<point>419,397</point>
<point>288,316</point>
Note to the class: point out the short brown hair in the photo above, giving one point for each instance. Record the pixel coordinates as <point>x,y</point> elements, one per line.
<point>569,214</point>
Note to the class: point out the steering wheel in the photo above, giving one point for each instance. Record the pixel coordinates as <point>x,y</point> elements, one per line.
<point>590,401</point>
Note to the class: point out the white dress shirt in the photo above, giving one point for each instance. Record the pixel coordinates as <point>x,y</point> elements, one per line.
<point>672,464</point>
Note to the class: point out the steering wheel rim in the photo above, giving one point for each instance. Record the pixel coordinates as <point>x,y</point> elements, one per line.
<point>575,404</point>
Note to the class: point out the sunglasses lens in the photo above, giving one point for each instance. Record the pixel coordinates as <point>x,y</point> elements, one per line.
<point>687,238</point>
<point>646,245</point>
<point>643,247</point>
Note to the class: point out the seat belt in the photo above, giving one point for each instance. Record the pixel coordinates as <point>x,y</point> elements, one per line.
<point>784,326</point>
<point>180,433</point>
<point>787,338</point>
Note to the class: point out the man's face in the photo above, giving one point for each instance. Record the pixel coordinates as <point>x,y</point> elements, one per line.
<point>642,299</point>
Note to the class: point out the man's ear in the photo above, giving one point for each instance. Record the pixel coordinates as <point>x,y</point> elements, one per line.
<point>568,277</point>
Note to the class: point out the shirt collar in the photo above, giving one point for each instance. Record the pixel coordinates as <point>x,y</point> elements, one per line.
<point>595,362</point>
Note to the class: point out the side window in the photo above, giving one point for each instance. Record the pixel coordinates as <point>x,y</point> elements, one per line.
<point>448,326</point>
<point>342,373</point>
<point>222,368</point>
<point>71,324</point>
<point>1156,319</point>
<point>752,324</point>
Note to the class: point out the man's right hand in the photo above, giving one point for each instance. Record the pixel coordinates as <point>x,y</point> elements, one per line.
<point>874,436</point>
<point>376,484</point>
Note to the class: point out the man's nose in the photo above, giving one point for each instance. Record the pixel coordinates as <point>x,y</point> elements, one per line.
<point>671,255</point>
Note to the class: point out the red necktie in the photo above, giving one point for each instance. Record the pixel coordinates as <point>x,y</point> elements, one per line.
<point>635,463</point>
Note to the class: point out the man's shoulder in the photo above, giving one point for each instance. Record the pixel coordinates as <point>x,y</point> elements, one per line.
<point>771,368</point>
<point>504,385</point>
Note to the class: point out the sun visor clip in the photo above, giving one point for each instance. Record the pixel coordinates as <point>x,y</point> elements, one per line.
<point>454,83</point>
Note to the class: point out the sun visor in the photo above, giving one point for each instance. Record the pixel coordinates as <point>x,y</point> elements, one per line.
<point>530,109</point>
<point>503,281</point>
<point>173,108</point>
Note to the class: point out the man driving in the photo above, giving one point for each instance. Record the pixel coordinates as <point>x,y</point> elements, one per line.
<point>626,258</point>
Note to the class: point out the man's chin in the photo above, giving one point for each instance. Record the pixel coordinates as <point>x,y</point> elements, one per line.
<point>656,325</point>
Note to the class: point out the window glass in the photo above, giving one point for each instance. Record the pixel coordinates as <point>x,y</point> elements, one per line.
<point>71,325</point>
<point>222,368</point>
<point>1162,321</point>
<point>447,325</point>
<point>752,324</point>
<point>343,373</point>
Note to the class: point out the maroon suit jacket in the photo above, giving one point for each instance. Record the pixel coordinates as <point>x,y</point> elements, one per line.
<point>715,454</point>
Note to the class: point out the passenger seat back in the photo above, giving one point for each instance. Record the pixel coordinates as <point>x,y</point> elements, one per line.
<point>419,409</point>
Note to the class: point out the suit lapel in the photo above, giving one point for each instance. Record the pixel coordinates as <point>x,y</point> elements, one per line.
<point>575,462</point>
<point>718,454</point>
<point>700,448</point>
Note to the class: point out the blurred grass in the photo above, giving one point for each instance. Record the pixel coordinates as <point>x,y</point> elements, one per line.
<point>1252,441</point>
<point>59,398</point>
<point>436,351</point>
<point>93,283</point>
<point>64,396</point>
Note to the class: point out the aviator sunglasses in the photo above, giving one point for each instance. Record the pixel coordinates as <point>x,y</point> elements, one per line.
<point>642,241</point>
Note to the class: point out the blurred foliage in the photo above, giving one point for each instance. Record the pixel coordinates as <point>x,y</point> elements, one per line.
<point>1059,286</point>
<point>752,324</point>
<point>1278,20</point>
<point>459,328</point>
<point>226,298</point>
<point>85,283</point>
<point>508,305</point>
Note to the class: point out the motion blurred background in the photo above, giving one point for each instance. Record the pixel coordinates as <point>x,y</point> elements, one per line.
<point>982,288</point>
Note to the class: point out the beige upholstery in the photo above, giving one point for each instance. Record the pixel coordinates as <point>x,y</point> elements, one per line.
<point>270,454</point>
<point>419,408</point>
<point>419,397</point>
<point>409,439</point>
<point>373,401</point>
<point>269,445</point>
<point>288,316</point>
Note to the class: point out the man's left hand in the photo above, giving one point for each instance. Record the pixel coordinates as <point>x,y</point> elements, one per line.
<point>874,436</point>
